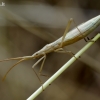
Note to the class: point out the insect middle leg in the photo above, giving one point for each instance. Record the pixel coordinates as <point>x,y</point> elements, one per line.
<point>61,50</point>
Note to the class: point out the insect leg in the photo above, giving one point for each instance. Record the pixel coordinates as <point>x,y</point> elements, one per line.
<point>85,39</point>
<point>36,72</point>
<point>43,58</point>
<point>38,61</point>
<point>66,31</point>
<point>42,66</point>
<point>38,78</point>
<point>90,39</point>
<point>12,68</point>
<point>80,32</point>
<point>61,50</point>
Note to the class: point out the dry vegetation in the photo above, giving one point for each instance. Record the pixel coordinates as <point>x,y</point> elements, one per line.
<point>25,28</point>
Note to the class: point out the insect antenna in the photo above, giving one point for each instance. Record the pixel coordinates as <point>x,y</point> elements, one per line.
<point>12,68</point>
<point>17,58</point>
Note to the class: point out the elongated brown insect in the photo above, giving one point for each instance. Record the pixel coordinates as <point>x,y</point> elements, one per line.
<point>68,38</point>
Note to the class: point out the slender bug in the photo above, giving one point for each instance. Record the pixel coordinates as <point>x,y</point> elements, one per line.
<point>68,38</point>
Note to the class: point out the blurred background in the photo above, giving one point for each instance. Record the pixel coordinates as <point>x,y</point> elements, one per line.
<point>28,25</point>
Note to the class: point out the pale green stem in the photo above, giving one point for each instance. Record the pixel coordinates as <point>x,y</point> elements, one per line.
<point>63,68</point>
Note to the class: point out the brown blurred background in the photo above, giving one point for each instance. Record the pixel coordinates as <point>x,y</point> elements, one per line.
<point>25,27</point>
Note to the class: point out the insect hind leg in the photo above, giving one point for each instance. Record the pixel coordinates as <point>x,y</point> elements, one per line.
<point>87,39</point>
<point>66,31</point>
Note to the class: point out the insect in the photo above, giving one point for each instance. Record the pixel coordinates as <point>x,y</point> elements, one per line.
<point>68,38</point>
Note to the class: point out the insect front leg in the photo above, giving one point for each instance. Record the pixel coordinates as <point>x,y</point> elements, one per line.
<point>37,62</point>
<point>42,66</point>
<point>43,58</point>
<point>67,29</point>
